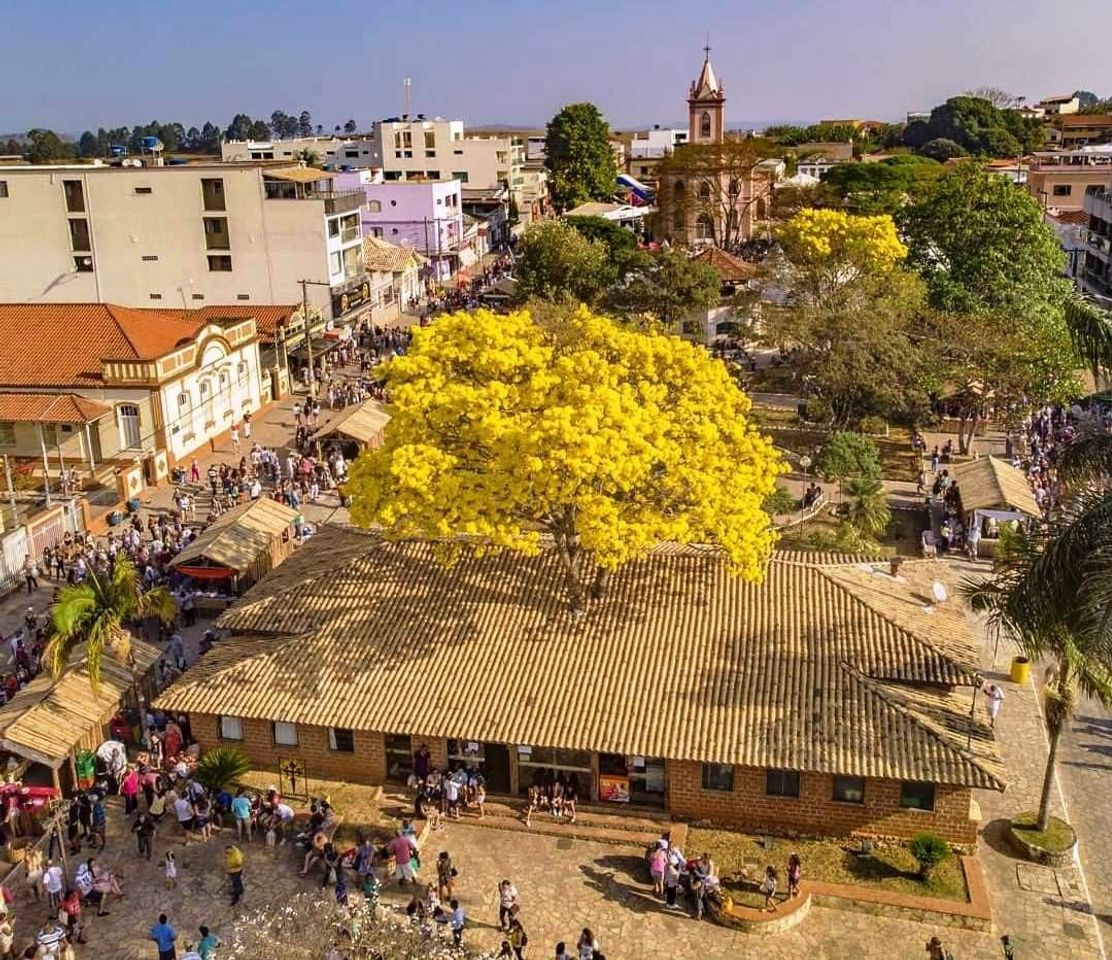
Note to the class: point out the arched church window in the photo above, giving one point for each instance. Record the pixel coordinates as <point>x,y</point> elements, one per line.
<point>704,190</point>
<point>704,125</point>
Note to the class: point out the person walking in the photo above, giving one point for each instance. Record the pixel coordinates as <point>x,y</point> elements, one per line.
<point>768,888</point>
<point>208,943</point>
<point>31,574</point>
<point>995,694</point>
<point>165,938</point>
<point>519,939</point>
<point>241,811</point>
<point>588,945</point>
<point>671,884</point>
<point>53,881</point>
<point>445,876</point>
<point>507,905</point>
<point>233,866</point>
<point>795,875</point>
<point>144,828</point>
<point>459,921</point>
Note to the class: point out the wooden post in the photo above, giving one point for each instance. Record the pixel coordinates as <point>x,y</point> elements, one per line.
<point>45,464</point>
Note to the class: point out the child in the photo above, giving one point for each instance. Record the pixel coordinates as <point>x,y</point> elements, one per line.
<point>768,888</point>
<point>480,799</point>
<point>795,875</point>
<point>171,871</point>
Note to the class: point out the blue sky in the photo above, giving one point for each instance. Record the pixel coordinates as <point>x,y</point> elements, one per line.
<point>72,64</point>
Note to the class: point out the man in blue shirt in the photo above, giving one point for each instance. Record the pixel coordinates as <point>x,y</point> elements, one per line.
<point>164,936</point>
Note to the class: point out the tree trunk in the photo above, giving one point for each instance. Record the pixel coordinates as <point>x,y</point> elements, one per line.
<point>602,579</point>
<point>1048,777</point>
<point>569,558</point>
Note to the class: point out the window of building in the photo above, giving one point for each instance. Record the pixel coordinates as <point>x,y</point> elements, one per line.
<point>399,756</point>
<point>184,400</point>
<point>216,233</point>
<point>434,174</point>
<point>79,234</point>
<point>220,263</point>
<point>916,796</point>
<point>212,193</point>
<point>704,228</point>
<point>439,201</point>
<point>285,734</point>
<point>243,296</point>
<point>460,175</point>
<point>83,263</point>
<point>155,296</point>
<point>377,232</point>
<point>150,257</point>
<point>75,195</point>
<point>231,728</point>
<point>1062,189</point>
<point>533,761</point>
<point>782,783</point>
<point>341,740</point>
<point>393,203</point>
<point>351,154</point>
<point>143,190</point>
<point>704,190</point>
<point>7,434</point>
<point>430,139</point>
<point>241,372</point>
<point>3,188</point>
<point>375,206</point>
<point>130,435</point>
<point>335,263</point>
<point>718,776</point>
<point>197,296</point>
<point>334,228</point>
<point>849,789</point>
<point>704,125</point>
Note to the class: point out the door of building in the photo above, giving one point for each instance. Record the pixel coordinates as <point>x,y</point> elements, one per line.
<point>130,436</point>
<point>496,767</point>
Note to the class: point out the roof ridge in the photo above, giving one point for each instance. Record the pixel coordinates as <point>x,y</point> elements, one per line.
<point>915,635</point>
<point>882,689</point>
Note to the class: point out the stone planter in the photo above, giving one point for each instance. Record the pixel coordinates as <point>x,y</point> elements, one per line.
<point>1038,854</point>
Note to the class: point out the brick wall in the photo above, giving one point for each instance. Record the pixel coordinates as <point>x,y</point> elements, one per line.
<point>813,811</point>
<point>367,764</point>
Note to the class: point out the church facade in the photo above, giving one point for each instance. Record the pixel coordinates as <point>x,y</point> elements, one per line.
<point>713,191</point>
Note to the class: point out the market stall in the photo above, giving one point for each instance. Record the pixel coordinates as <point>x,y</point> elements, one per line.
<point>50,720</point>
<point>238,548</point>
<point>993,493</point>
<point>359,427</point>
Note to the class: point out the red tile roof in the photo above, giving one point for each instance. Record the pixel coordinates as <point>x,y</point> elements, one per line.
<point>729,266</point>
<point>50,408</point>
<point>267,318</point>
<point>63,344</point>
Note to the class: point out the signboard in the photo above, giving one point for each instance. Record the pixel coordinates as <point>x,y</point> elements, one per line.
<point>350,299</point>
<point>612,788</point>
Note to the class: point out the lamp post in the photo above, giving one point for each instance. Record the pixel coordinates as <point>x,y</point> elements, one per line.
<point>805,465</point>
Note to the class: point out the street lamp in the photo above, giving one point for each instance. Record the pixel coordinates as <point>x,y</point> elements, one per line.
<point>805,465</point>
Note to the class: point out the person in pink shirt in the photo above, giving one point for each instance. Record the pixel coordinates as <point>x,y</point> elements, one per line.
<point>402,849</point>
<point>129,790</point>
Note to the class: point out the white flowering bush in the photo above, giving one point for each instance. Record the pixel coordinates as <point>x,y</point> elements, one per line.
<point>310,926</point>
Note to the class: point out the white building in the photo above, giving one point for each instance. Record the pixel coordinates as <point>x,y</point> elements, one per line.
<point>180,236</point>
<point>655,143</point>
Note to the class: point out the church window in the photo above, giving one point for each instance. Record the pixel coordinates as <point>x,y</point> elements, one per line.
<point>704,228</point>
<point>704,125</point>
<point>704,190</point>
<point>679,189</point>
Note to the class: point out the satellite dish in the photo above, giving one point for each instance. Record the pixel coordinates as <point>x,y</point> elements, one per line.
<point>939,591</point>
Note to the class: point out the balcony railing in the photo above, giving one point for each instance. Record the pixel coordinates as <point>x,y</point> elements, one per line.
<point>341,201</point>
<point>348,234</point>
<point>1096,242</point>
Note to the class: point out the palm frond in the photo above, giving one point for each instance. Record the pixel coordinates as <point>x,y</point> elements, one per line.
<point>1088,457</point>
<point>1090,329</point>
<point>158,602</point>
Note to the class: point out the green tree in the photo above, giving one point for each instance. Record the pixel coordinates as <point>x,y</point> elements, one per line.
<point>870,189</point>
<point>977,127</point>
<point>350,127</point>
<point>558,264</point>
<point>668,285</point>
<point>259,130</point>
<point>210,138</point>
<point>87,145</point>
<point>305,124</point>
<point>941,149</point>
<point>578,156</point>
<point>239,128</point>
<point>96,613</point>
<point>993,271</point>
<point>847,455</point>
<point>867,509</point>
<point>45,146</point>
<point>620,243</point>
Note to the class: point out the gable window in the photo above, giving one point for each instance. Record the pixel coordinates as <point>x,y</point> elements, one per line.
<point>849,789</point>
<point>782,783</point>
<point>341,740</point>
<point>916,796</point>
<point>231,728</point>
<point>718,776</point>
<point>285,734</point>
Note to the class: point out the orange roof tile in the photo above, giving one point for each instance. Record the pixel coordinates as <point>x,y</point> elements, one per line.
<point>63,344</point>
<point>268,318</point>
<point>729,266</point>
<point>50,408</point>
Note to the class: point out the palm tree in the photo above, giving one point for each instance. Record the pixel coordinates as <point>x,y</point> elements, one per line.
<point>867,509</point>
<point>1053,594</point>
<point>96,612</point>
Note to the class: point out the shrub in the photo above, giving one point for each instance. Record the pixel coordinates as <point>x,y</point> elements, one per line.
<point>867,510</point>
<point>848,454</point>
<point>221,767</point>
<point>780,501</point>
<point>877,426</point>
<point>930,850</point>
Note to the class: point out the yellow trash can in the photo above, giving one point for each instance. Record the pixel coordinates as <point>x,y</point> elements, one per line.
<point>1021,669</point>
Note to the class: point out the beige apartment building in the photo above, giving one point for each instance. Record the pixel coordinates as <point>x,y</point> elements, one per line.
<point>182,236</point>
<point>1058,179</point>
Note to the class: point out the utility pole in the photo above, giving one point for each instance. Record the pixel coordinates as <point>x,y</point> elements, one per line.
<point>308,336</point>
<point>11,490</point>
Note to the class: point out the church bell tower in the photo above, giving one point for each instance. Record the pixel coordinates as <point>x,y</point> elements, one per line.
<point>706,106</point>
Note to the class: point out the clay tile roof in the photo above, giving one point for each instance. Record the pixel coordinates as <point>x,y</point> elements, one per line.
<point>382,256</point>
<point>825,667</point>
<point>1078,217</point>
<point>50,408</point>
<point>729,266</point>
<point>990,483</point>
<point>268,318</point>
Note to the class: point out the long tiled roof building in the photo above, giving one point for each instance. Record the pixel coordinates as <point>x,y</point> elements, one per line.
<point>830,698</point>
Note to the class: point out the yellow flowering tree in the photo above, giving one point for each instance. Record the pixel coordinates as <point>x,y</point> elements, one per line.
<point>829,250</point>
<point>606,439</point>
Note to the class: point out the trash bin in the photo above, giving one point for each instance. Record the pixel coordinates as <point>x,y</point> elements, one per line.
<point>1021,669</point>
